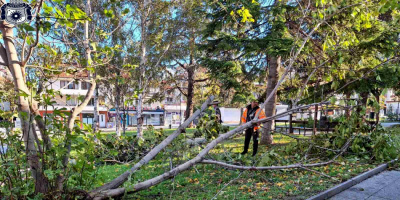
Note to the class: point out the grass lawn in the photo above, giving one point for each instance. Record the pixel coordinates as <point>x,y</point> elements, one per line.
<point>205,181</point>
<point>189,131</point>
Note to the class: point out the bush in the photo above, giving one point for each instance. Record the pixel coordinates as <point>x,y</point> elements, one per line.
<point>209,127</point>
<point>391,116</point>
<point>375,144</point>
<point>128,148</point>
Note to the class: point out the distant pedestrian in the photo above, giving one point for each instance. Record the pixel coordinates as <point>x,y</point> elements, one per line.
<point>249,113</point>
<point>217,111</point>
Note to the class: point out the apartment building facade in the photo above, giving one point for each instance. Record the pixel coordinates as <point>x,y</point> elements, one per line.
<point>73,89</point>
<point>169,111</point>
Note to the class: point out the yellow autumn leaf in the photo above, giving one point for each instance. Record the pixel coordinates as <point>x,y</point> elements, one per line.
<point>245,14</point>
<point>279,184</point>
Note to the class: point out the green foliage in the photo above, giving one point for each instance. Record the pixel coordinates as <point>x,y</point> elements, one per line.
<point>127,148</point>
<point>391,115</point>
<point>269,158</point>
<point>204,181</point>
<point>376,144</point>
<point>209,127</point>
<point>16,180</point>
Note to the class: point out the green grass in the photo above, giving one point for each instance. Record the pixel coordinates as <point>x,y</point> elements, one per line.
<point>204,181</point>
<point>189,131</point>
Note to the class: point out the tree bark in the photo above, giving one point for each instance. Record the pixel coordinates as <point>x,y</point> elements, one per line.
<point>190,94</point>
<point>41,125</point>
<point>142,65</point>
<point>270,105</point>
<point>377,97</point>
<point>41,182</point>
<point>364,100</point>
<point>191,69</point>
<point>139,116</point>
<point>117,109</point>
<point>315,120</point>
<point>96,110</point>
<point>78,109</point>
<point>124,120</point>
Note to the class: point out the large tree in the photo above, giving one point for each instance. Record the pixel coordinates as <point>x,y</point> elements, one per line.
<point>183,63</point>
<point>19,49</point>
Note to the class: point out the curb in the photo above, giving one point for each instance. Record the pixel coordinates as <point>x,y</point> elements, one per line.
<point>351,182</point>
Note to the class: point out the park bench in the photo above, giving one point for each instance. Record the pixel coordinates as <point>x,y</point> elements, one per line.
<point>322,127</point>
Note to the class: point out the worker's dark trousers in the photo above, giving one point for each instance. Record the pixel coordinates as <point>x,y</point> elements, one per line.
<point>250,132</point>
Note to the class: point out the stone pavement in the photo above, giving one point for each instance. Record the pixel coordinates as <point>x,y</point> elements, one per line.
<point>383,186</point>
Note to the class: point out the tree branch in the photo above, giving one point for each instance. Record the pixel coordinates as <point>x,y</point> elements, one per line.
<point>24,61</point>
<point>150,182</point>
<point>201,80</point>
<point>123,177</point>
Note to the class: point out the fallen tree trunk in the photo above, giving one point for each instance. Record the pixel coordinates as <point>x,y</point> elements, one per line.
<point>123,177</point>
<point>238,167</point>
<point>105,194</point>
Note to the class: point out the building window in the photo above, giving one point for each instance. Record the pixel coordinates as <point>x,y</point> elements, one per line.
<point>169,99</point>
<point>71,85</point>
<point>87,118</point>
<point>91,102</point>
<point>72,102</point>
<point>85,85</point>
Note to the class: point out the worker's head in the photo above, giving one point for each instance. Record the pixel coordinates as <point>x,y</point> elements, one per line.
<point>254,103</point>
<point>215,104</point>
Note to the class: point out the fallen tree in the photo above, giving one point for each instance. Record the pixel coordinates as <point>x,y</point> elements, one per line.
<point>198,159</point>
<point>123,177</point>
<point>111,190</point>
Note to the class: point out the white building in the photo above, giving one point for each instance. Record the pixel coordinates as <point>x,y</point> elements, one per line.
<point>73,89</point>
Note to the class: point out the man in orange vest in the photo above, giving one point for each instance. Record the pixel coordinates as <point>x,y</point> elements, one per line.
<point>249,113</point>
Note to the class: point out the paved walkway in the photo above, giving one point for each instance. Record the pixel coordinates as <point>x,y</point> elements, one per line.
<point>384,186</point>
<point>389,124</point>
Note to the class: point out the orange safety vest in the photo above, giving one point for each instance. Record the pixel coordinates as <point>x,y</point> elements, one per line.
<point>260,116</point>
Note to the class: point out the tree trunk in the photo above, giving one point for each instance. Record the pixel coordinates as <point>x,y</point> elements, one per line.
<point>41,182</point>
<point>124,120</point>
<point>241,114</point>
<point>190,94</point>
<point>377,97</point>
<point>139,117</point>
<point>270,106</point>
<point>315,120</point>
<point>96,111</point>
<point>142,66</point>
<point>347,111</point>
<point>364,99</point>
<point>290,123</point>
<point>117,120</point>
<point>78,109</point>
